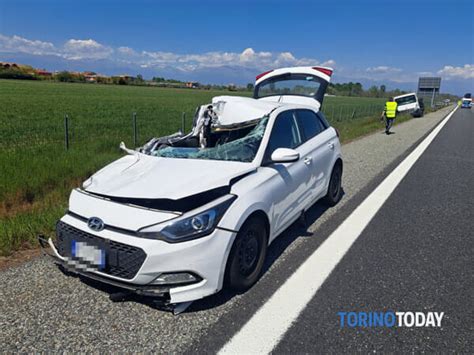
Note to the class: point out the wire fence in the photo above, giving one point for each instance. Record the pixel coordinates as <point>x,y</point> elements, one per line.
<point>70,132</point>
<point>339,113</point>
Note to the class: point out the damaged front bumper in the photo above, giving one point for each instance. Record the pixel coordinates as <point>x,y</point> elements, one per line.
<point>71,266</point>
<point>160,294</point>
<point>204,258</point>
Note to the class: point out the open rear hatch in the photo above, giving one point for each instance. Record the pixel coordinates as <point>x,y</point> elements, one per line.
<point>299,85</point>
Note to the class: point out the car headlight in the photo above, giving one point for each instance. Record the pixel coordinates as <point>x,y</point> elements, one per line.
<point>201,223</point>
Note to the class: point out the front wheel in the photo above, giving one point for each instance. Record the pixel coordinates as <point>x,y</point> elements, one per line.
<point>247,255</point>
<point>334,193</point>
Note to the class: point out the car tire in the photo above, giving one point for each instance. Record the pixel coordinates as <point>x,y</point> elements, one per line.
<point>247,255</point>
<point>334,193</point>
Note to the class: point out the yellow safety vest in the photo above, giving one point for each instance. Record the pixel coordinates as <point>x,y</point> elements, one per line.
<point>391,109</point>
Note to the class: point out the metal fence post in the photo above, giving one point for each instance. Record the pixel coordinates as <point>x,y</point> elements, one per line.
<point>134,122</point>
<point>183,120</point>
<point>66,132</point>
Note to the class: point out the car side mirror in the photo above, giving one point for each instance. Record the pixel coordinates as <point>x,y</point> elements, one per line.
<point>284,155</point>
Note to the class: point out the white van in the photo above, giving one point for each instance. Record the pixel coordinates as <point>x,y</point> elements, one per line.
<point>410,103</point>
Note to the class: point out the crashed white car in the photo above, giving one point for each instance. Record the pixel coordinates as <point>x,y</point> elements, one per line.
<point>184,215</point>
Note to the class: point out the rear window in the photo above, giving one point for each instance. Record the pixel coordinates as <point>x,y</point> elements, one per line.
<point>406,100</point>
<point>310,123</point>
<point>289,84</point>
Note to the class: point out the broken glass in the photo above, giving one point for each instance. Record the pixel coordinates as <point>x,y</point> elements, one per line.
<point>242,149</point>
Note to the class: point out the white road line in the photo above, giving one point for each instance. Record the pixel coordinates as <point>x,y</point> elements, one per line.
<point>266,327</point>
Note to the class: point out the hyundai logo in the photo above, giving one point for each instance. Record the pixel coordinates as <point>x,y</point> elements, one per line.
<point>96,224</point>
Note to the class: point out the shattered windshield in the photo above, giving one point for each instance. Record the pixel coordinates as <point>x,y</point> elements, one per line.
<point>241,149</point>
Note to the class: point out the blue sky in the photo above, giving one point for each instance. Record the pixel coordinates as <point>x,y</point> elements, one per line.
<point>390,42</point>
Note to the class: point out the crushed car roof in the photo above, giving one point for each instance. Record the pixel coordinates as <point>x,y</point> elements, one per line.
<point>236,109</point>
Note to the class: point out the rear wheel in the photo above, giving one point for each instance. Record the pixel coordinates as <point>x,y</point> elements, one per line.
<point>334,193</point>
<point>247,255</point>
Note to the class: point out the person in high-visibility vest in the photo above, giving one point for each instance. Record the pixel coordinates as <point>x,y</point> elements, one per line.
<point>389,113</point>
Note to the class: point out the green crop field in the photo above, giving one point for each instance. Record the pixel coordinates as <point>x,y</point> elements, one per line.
<point>36,171</point>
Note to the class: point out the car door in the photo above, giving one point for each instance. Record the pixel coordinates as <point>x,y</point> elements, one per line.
<point>288,186</point>
<point>318,145</point>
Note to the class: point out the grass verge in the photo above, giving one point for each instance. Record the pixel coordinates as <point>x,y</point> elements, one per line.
<point>37,174</point>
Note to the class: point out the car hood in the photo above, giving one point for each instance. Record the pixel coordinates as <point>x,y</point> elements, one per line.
<point>141,176</point>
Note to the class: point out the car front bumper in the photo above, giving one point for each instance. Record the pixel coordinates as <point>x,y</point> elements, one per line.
<point>205,257</point>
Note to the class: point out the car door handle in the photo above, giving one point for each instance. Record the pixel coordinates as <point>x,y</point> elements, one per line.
<point>307,160</point>
<point>331,145</point>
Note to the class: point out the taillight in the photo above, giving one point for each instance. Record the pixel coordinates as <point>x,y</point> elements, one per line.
<point>263,74</point>
<point>326,71</point>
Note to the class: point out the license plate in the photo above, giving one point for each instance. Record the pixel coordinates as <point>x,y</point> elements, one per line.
<point>89,254</point>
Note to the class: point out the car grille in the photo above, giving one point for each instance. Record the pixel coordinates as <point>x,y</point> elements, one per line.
<point>121,260</point>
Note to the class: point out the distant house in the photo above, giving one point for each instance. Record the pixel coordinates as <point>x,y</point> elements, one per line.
<point>90,76</point>
<point>127,77</point>
<point>8,65</point>
<point>43,72</point>
<point>192,84</point>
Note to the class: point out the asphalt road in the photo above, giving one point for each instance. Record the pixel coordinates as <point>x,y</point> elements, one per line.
<point>415,255</point>
<point>420,265</point>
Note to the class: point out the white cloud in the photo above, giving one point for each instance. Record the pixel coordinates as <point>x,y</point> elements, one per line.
<point>17,44</point>
<point>425,73</point>
<point>248,58</point>
<point>73,49</point>
<point>247,55</point>
<point>385,73</point>
<point>383,69</point>
<point>126,51</point>
<point>286,57</point>
<point>328,63</point>
<point>265,54</point>
<point>89,49</point>
<point>77,49</point>
<point>450,72</point>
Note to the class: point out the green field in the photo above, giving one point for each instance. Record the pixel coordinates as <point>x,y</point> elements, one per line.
<point>37,173</point>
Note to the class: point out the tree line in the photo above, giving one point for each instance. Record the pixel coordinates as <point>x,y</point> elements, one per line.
<point>356,89</point>
<point>27,72</point>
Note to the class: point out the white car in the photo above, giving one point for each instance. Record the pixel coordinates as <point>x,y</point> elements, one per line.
<point>184,215</point>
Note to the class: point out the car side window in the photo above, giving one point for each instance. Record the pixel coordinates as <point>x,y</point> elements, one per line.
<point>310,123</point>
<point>323,120</point>
<point>285,133</point>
